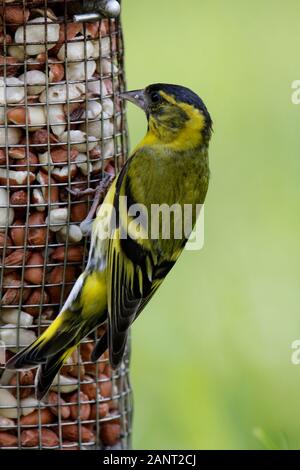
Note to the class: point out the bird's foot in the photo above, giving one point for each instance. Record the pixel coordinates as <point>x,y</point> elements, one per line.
<point>81,192</point>
<point>86,227</point>
<point>99,193</point>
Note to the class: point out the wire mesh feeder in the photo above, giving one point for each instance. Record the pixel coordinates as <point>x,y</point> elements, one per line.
<point>61,126</point>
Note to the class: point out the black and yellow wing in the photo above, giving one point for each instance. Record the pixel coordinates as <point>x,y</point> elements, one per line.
<point>135,269</point>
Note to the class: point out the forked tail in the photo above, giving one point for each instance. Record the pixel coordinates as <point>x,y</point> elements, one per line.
<point>49,370</point>
<point>84,310</point>
<point>56,338</point>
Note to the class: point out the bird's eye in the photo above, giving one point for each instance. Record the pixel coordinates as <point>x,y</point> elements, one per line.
<point>155,97</point>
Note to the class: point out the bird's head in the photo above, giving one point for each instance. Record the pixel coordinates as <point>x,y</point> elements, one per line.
<point>176,115</point>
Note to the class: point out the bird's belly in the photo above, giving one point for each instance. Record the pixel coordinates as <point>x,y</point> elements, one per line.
<point>94,294</point>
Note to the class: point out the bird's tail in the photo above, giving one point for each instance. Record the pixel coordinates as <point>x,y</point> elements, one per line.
<point>49,370</point>
<point>51,350</point>
<point>56,338</point>
<point>62,333</point>
<point>84,310</point>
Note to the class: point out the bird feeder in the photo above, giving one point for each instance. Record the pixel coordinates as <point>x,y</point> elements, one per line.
<point>62,130</point>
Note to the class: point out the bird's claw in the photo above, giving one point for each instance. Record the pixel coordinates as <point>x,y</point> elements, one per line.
<point>86,226</point>
<point>81,192</point>
<point>99,192</point>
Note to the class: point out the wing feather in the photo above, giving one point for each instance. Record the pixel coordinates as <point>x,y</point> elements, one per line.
<point>133,275</point>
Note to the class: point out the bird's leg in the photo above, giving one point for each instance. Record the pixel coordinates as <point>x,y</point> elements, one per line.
<point>81,192</point>
<point>99,192</point>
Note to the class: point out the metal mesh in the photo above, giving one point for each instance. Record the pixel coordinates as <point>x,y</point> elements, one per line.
<point>61,126</point>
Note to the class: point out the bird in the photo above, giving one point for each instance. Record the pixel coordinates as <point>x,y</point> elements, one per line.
<point>126,265</point>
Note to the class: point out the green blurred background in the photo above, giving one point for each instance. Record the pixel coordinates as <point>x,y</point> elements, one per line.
<point>211,364</point>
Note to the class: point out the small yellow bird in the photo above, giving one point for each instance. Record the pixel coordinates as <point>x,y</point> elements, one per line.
<point>169,166</point>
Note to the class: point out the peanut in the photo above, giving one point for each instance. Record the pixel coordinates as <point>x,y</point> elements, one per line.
<point>110,433</point>
<point>5,240</point>
<point>56,276</point>
<point>34,275</point>
<point>105,385</point>
<point>58,405</point>
<point>19,198</point>
<point>31,438</point>
<point>12,295</point>
<point>7,439</point>
<point>71,433</point>
<point>84,410</point>
<point>79,212</point>
<point>26,378</point>
<point>35,300</point>
<point>17,233</point>
<point>103,410</point>
<point>24,164</point>
<point>89,388</point>
<point>37,235</point>
<point>6,423</point>
<point>46,417</point>
<point>73,253</point>
<point>15,14</point>
<point>60,155</point>
<point>16,258</point>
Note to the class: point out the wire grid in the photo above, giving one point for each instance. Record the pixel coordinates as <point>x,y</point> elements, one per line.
<point>63,127</point>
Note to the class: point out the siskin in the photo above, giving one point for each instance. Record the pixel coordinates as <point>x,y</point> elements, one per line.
<point>169,166</point>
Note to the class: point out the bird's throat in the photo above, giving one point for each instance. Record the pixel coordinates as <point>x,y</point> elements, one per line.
<point>173,139</point>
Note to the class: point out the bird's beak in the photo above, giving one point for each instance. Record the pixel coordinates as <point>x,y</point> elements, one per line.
<point>136,97</point>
